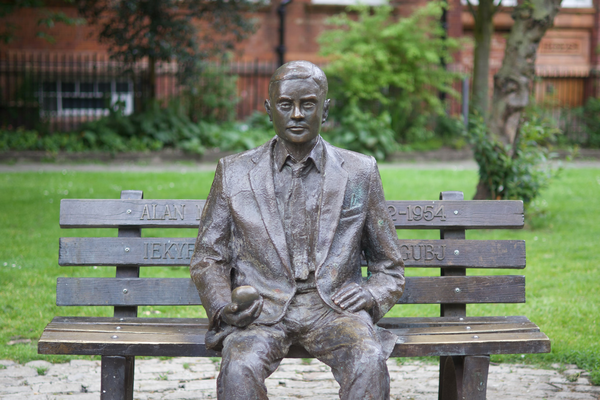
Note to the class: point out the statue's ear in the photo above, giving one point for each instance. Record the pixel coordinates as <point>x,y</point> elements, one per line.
<point>325,110</point>
<point>268,108</point>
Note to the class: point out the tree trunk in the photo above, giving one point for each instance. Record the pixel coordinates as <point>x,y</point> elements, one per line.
<point>512,84</point>
<point>483,32</point>
<point>482,192</point>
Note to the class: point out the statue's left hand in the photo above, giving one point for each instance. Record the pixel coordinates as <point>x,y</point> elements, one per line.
<point>353,297</point>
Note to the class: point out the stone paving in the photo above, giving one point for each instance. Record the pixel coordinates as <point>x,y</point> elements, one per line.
<point>195,378</point>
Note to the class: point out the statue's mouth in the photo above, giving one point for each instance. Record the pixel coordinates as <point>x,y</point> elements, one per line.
<point>297,128</point>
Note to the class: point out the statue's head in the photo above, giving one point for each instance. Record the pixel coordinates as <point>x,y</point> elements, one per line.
<point>297,104</point>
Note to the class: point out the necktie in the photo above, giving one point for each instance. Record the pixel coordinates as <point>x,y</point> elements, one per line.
<point>298,224</point>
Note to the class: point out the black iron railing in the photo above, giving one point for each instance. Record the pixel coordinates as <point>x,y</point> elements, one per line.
<point>62,91</point>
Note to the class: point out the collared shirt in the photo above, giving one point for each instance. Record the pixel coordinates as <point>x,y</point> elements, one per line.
<point>312,179</point>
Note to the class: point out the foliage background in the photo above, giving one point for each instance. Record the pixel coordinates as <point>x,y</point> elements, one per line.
<point>154,129</point>
<point>389,68</point>
<point>516,171</point>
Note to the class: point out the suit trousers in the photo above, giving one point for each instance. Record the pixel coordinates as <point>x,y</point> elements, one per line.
<point>346,342</point>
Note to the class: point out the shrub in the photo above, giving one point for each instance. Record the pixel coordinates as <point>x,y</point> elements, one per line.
<point>518,171</point>
<point>591,119</point>
<point>154,129</point>
<point>211,95</point>
<point>390,68</point>
<point>22,139</point>
<point>363,132</point>
<point>451,130</point>
<point>239,136</point>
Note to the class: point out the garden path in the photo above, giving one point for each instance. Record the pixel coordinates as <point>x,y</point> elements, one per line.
<point>195,378</point>
<point>160,166</point>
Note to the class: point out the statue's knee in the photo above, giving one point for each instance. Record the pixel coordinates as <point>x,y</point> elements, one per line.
<point>370,346</point>
<point>241,360</point>
<point>240,369</point>
<point>371,351</point>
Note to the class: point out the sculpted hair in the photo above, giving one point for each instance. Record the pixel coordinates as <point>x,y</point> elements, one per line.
<point>300,70</point>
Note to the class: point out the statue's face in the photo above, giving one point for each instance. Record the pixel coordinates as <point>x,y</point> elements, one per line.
<point>297,108</point>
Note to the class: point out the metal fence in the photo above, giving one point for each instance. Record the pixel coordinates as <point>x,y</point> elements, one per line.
<point>62,91</point>
<point>253,84</point>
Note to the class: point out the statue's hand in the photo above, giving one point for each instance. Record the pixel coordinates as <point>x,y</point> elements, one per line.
<point>231,316</point>
<point>245,307</point>
<point>353,297</point>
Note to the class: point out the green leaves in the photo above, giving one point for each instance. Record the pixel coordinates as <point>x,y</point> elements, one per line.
<point>363,132</point>
<point>385,65</point>
<point>212,94</point>
<point>519,171</point>
<point>167,30</point>
<point>375,52</point>
<point>46,20</point>
<point>155,129</point>
<point>591,120</point>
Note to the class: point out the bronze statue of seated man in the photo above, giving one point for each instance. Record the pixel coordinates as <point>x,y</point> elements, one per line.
<point>278,256</point>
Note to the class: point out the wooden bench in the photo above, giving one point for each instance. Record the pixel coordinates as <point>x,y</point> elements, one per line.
<point>462,343</point>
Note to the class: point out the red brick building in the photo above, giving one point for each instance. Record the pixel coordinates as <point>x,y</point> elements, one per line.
<point>568,57</point>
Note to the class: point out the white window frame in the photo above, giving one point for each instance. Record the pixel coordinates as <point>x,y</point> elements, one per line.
<point>126,97</point>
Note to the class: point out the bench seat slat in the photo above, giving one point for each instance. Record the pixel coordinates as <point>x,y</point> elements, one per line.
<point>472,328</point>
<point>181,291</point>
<point>462,345</point>
<point>388,323</point>
<point>118,328</point>
<point>147,328</point>
<point>106,251</point>
<point>67,336</point>
<point>474,214</point>
<point>424,322</point>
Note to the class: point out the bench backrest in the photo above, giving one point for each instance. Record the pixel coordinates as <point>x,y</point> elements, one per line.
<point>451,215</point>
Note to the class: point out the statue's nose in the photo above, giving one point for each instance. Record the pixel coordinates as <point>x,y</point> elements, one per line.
<point>297,113</point>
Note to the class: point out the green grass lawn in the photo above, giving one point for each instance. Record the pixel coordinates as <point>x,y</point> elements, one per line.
<point>563,277</point>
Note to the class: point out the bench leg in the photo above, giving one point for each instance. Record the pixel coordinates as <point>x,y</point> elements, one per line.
<point>448,377</point>
<point>463,378</point>
<point>117,378</point>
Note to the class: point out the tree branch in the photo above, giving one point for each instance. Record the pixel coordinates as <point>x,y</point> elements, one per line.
<point>472,10</point>
<point>496,7</point>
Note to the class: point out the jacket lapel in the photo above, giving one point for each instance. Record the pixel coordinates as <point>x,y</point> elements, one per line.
<point>334,187</point>
<point>261,182</point>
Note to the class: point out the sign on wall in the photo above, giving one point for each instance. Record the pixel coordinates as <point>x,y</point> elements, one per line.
<point>564,52</point>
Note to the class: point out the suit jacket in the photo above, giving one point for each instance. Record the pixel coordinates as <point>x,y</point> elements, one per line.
<point>241,240</point>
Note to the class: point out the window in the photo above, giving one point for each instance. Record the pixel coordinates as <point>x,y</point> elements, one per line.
<point>70,98</point>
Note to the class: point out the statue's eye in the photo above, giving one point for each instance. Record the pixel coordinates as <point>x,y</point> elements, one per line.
<point>285,106</point>
<point>309,105</point>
